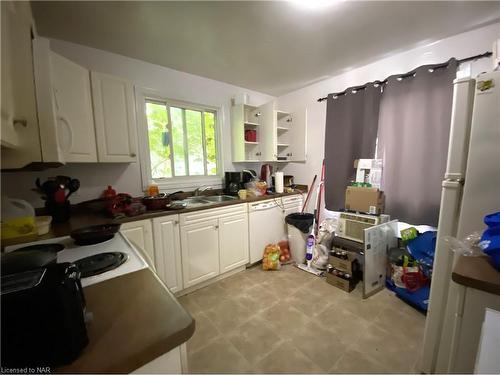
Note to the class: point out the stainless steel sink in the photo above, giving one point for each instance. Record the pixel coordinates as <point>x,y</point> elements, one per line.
<point>206,200</point>
<point>219,198</point>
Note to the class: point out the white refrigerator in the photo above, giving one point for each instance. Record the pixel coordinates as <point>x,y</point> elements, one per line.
<point>470,190</point>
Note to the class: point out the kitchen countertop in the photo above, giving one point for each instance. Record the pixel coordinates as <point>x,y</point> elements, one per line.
<point>135,320</point>
<point>477,273</point>
<point>84,217</point>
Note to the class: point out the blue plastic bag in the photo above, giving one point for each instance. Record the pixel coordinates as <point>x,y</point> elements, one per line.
<point>490,240</point>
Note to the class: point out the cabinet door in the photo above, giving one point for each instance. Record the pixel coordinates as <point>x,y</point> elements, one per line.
<point>114,115</point>
<point>140,233</point>
<point>168,251</point>
<point>19,134</point>
<point>298,135</point>
<point>200,252</point>
<point>75,121</point>
<point>267,137</point>
<point>233,242</point>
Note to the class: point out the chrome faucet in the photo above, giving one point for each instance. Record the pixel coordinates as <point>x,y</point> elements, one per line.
<point>197,191</point>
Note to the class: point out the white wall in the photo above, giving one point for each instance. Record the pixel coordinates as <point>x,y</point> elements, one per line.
<point>459,46</point>
<point>171,83</point>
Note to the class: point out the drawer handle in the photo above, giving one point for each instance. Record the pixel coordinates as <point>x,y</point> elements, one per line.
<point>20,121</point>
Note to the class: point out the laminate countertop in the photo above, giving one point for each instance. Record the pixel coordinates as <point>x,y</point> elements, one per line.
<point>135,320</point>
<point>477,273</point>
<point>84,217</point>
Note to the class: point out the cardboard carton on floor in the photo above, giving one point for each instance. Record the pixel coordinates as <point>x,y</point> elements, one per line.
<point>364,199</point>
<point>349,265</point>
<point>345,285</point>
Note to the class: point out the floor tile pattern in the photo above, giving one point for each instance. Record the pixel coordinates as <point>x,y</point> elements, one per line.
<point>289,321</point>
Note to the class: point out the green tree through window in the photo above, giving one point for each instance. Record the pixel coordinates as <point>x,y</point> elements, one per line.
<point>182,141</point>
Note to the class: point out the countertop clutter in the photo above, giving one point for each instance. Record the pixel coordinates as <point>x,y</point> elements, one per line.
<point>83,217</point>
<point>150,324</point>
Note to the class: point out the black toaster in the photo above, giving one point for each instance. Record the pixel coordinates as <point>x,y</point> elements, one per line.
<point>43,317</point>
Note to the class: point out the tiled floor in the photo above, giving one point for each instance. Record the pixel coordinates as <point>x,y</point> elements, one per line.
<point>289,321</point>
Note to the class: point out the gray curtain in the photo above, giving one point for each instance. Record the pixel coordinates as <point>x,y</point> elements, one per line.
<point>413,132</point>
<point>351,131</point>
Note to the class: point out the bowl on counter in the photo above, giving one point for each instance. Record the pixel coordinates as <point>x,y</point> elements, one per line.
<point>43,224</point>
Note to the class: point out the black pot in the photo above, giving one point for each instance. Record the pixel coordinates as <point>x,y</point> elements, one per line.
<point>94,234</point>
<point>25,260</point>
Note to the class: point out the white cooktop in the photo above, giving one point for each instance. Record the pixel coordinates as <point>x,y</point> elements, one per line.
<point>74,252</point>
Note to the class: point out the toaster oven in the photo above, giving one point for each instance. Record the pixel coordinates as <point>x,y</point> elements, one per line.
<point>351,226</point>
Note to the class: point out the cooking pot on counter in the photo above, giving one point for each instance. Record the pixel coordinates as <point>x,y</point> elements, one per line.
<point>158,202</point>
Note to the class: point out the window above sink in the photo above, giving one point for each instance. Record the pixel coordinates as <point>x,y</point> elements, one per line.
<point>179,142</point>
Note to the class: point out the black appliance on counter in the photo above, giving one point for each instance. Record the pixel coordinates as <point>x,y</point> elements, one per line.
<point>234,181</point>
<point>43,316</point>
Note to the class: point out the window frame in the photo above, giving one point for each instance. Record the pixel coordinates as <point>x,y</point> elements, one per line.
<point>170,184</point>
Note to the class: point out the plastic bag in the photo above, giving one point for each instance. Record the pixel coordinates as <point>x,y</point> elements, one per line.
<point>320,257</point>
<point>271,258</point>
<point>285,256</point>
<point>301,221</point>
<point>256,188</point>
<point>469,246</point>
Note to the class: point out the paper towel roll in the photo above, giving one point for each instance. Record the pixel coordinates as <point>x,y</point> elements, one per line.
<point>278,182</point>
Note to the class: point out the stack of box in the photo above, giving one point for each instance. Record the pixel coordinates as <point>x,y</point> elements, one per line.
<point>343,270</point>
<point>366,197</point>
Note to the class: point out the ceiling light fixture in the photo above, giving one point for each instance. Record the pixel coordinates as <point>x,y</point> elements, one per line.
<point>314,4</point>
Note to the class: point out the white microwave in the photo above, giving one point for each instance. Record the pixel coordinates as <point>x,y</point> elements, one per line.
<point>352,226</point>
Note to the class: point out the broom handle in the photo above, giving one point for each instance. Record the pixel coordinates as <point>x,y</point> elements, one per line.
<point>309,194</point>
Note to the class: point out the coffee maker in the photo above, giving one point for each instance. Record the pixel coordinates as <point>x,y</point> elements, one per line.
<point>234,181</point>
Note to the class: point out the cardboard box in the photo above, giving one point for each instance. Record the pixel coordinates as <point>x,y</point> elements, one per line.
<point>345,285</point>
<point>363,199</point>
<point>349,265</point>
<point>369,170</point>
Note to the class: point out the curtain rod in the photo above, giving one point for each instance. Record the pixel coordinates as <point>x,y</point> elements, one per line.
<point>471,58</point>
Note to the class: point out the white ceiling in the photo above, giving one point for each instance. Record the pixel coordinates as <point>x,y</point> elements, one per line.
<point>268,46</point>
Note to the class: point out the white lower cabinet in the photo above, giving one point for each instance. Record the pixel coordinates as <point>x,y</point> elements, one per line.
<point>168,251</point>
<point>200,251</point>
<point>213,242</point>
<point>140,233</point>
<point>193,247</point>
<point>233,242</point>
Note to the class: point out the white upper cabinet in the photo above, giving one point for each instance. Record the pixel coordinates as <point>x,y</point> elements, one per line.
<point>291,135</point>
<point>19,124</point>
<point>268,138</point>
<point>278,136</point>
<point>73,107</point>
<point>114,115</point>
<point>245,118</point>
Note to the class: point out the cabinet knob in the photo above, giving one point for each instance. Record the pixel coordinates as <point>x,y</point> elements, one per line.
<point>216,227</point>
<point>176,222</point>
<point>133,155</point>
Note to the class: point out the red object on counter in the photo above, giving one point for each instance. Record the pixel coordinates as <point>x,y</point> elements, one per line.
<point>109,192</point>
<point>60,196</point>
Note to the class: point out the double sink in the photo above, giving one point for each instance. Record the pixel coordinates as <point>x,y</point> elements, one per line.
<point>207,200</point>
